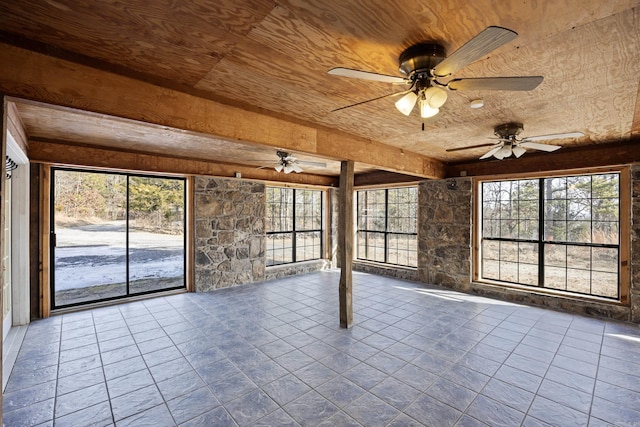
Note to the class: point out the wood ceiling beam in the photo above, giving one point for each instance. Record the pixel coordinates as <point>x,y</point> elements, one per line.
<point>34,76</point>
<point>382,178</point>
<point>601,155</point>
<point>15,126</point>
<point>334,144</point>
<point>61,153</point>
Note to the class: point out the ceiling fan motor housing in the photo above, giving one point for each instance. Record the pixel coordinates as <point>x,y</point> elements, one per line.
<point>421,57</point>
<point>508,130</point>
<point>282,154</point>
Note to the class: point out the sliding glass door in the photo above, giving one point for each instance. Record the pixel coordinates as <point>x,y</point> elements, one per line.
<point>115,235</point>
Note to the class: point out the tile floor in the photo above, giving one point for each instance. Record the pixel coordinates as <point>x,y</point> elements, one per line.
<point>272,354</point>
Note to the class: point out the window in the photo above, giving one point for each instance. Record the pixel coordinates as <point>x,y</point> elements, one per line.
<point>387,225</point>
<point>559,233</point>
<point>294,225</point>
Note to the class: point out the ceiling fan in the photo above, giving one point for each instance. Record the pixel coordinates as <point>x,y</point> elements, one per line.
<point>287,163</point>
<point>509,143</point>
<point>424,63</point>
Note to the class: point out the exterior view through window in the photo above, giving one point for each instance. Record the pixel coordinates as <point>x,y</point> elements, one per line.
<point>115,235</point>
<point>387,225</point>
<point>559,233</point>
<point>294,225</point>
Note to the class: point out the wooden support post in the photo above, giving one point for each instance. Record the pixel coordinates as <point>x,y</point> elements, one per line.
<point>345,241</point>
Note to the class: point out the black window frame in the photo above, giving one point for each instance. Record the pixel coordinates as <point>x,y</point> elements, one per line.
<point>387,233</point>
<point>295,228</point>
<point>544,242</point>
<point>128,294</point>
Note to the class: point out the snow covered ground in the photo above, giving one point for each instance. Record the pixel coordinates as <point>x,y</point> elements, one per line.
<point>96,255</point>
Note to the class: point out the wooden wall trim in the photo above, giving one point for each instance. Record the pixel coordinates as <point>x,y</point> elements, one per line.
<point>74,155</point>
<point>326,220</point>
<point>45,234</point>
<point>35,239</point>
<point>34,76</point>
<point>476,224</point>
<point>625,234</point>
<point>190,235</point>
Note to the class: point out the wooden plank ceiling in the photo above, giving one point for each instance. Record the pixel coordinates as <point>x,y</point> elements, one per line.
<point>273,58</point>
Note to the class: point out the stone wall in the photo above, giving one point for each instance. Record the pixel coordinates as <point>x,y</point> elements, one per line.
<point>285,270</point>
<point>405,273</point>
<point>445,245</point>
<point>230,244</point>
<point>444,232</point>
<point>230,237</point>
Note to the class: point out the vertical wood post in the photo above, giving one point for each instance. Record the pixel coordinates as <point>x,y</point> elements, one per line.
<point>345,241</point>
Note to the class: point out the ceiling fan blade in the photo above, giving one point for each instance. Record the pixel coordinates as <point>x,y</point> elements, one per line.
<point>491,152</point>
<point>487,41</point>
<point>365,75</point>
<point>370,100</point>
<point>470,147</point>
<point>496,83</point>
<point>296,168</point>
<point>316,164</point>
<point>553,136</point>
<point>541,147</point>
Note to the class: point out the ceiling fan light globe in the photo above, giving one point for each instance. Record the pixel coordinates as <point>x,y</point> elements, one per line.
<point>406,103</point>
<point>518,151</point>
<point>426,110</point>
<point>435,96</point>
<point>503,153</point>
